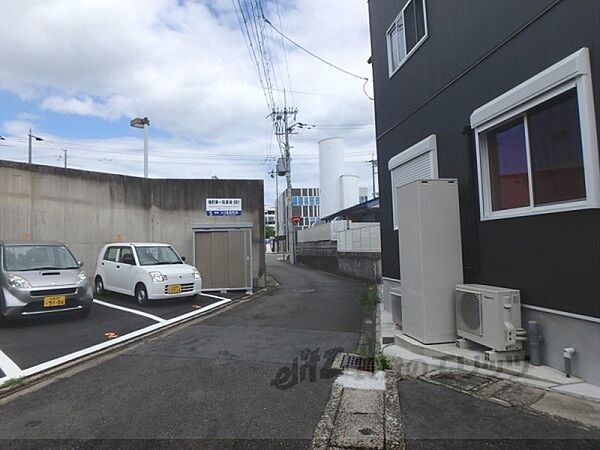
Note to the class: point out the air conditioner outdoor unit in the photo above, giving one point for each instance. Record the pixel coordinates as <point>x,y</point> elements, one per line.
<point>490,316</point>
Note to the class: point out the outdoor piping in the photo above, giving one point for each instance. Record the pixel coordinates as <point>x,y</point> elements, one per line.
<point>568,353</point>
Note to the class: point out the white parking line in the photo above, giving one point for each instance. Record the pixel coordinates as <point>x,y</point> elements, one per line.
<point>132,311</point>
<point>103,345</point>
<point>214,296</point>
<point>8,366</point>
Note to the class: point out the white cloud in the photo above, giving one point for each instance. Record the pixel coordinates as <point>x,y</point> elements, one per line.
<point>186,67</point>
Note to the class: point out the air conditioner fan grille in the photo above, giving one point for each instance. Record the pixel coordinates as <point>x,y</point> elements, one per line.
<point>468,305</point>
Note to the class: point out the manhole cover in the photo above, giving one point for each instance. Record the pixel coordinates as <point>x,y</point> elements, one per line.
<point>358,362</point>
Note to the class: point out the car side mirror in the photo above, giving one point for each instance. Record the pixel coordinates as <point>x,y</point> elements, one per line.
<point>183,258</point>
<point>80,264</point>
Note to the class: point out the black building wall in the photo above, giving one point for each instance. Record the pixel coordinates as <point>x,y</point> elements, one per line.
<point>477,50</point>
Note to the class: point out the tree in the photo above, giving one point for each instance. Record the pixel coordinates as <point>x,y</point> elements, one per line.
<point>269,232</point>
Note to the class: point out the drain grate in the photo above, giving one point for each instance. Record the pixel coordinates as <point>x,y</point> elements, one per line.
<point>358,362</point>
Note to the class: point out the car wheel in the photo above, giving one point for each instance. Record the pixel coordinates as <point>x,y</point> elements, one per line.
<point>99,285</point>
<point>141,294</point>
<point>3,320</point>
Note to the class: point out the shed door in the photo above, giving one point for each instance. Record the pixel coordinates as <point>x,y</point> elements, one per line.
<point>223,258</point>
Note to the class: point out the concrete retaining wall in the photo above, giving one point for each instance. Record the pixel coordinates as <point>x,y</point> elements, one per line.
<point>324,256</point>
<point>86,210</point>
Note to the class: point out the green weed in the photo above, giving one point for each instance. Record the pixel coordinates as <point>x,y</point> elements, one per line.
<point>369,298</point>
<point>12,382</point>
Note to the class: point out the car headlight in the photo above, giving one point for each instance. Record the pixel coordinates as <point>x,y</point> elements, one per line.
<point>18,282</point>
<point>81,279</point>
<point>196,274</point>
<point>158,277</point>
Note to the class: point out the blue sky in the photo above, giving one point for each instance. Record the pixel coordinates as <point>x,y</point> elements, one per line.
<point>78,75</point>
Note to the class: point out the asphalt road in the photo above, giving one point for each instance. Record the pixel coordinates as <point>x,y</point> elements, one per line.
<point>36,340</point>
<point>436,417</point>
<point>232,379</point>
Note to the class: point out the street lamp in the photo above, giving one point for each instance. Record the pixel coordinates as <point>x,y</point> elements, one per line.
<point>34,137</point>
<point>143,123</point>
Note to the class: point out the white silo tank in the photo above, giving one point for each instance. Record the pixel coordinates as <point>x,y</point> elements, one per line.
<point>331,167</point>
<point>349,191</point>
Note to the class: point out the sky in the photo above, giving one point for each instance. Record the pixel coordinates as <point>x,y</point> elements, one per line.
<point>77,72</point>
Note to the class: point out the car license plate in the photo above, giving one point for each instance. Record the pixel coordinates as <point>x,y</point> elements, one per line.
<point>174,289</point>
<point>58,300</point>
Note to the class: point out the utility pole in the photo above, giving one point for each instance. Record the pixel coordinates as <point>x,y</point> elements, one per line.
<point>373,163</point>
<point>31,136</point>
<point>273,174</point>
<point>65,151</point>
<point>284,129</point>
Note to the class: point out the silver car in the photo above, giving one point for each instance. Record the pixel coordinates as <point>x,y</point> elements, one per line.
<point>41,278</point>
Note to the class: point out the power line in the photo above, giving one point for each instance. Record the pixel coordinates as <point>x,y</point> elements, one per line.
<point>287,67</point>
<point>313,54</point>
<point>319,94</point>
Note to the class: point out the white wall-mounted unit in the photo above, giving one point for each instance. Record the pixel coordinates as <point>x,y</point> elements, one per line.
<point>430,258</point>
<point>490,316</point>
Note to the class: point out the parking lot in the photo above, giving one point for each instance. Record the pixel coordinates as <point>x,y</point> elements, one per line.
<point>33,345</point>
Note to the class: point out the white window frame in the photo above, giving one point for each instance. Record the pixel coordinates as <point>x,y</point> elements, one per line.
<point>572,72</point>
<point>407,55</point>
<point>427,145</point>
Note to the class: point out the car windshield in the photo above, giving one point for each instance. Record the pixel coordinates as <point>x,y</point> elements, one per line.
<point>19,258</point>
<point>155,255</point>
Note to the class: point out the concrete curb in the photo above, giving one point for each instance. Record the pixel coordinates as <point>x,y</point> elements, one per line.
<point>325,425</point>
<point>393,429</point>
<point>361,418</point>
<point>421,349</point>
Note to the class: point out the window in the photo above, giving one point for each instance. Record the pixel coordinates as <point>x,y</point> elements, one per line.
<point>111,254</point>
<point>418,162</point>
<point>126,256</point>
<point>539,154</point>
<point>157,255</point>
<point>38,257</point>
<point>408,31</point>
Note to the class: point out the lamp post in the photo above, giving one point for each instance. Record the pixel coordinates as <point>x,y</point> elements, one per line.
<point>143,123</point>
<point>31,136</point>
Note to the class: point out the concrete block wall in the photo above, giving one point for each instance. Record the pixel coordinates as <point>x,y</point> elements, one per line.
<point>86,210</point>
<point>325,256</point>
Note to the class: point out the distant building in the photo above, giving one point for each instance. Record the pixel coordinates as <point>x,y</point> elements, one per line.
<point>270,218</point>
<point>305,206</point>
<point>363,194</point>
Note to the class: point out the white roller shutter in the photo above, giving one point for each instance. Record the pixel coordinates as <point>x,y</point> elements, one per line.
<point>418,162</point>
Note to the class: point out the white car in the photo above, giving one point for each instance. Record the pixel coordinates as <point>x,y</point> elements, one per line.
<point>148,271</point>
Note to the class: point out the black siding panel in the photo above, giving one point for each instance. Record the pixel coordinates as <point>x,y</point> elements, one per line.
<point>558,255</point>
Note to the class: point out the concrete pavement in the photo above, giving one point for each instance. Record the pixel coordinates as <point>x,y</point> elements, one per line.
<point>250,376</point>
